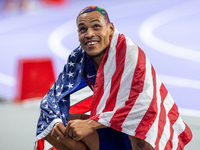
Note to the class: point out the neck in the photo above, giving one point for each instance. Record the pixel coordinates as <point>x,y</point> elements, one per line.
<point>97,60</point>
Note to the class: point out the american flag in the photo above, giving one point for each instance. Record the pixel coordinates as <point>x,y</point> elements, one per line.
<point>56,103</point>
<point>128,97</point>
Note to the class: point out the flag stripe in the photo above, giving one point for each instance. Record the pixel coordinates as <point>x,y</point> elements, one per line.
<point>82,106</point>
<point>162,116</point>
<point>184,137</point>
<point>136,87</point>
<point>139,98</point>
<point>109,69</point>
<point>168,103</point>
<point>116,78</point>
<point>151,135</point>
<point>108,66</point>
<point>173,116</point>
<point>40,144</point>
<point>127,76</point>
<point>151,113</point>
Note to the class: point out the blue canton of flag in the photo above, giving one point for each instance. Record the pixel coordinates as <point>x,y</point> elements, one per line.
<point>56,104</point>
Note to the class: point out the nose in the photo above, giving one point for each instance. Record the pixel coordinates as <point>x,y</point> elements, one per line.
<point>89,33</point>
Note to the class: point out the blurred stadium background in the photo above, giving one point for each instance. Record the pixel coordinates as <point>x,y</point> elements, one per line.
<point>33,32</point>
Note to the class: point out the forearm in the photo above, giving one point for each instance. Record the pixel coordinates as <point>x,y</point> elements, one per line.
<point>67,144</point>
<point>74,116</point>
<point>95,125</point>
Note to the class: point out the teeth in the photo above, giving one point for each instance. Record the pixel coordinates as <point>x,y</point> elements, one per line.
<point>91,43</point>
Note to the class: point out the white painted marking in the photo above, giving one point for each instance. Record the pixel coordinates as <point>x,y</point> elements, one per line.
<point>56,37</point>
<point>7,80</point>
<point>166,16</point>
<point>180,82</point>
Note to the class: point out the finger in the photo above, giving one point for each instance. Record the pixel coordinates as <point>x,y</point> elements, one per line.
<point>56,132</point>
<point>67,128</point>
<point>61,129</point>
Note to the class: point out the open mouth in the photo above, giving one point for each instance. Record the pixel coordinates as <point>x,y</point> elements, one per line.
<point>91,43</point>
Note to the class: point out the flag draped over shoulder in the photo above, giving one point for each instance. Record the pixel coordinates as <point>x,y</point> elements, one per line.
<point>129,97</point>
<point>56,104</point>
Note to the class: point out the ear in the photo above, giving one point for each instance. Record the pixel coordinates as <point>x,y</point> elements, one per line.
<point>111,28</point>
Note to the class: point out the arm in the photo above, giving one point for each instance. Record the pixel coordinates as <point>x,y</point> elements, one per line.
<point>65,142</point>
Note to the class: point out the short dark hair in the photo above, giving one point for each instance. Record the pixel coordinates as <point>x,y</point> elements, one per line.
<point>95,8</point>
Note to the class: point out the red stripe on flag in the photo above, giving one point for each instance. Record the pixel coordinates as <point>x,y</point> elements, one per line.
<point>82,107</point>
<point>162,116</point>
<point>99,86</point>
<point>185,137</point>
<point>40,144</point>
<point>116,78</point>
<point>150,114</point>
<point>173,116</point>
<point>136,88</point>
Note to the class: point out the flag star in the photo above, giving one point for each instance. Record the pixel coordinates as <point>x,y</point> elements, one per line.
<point>82,51</point>
<point>63,76</point>
<point>46,106</point>
<point>57,112</point>
<point>54,101</point>
<point>63,100</point>
<point>47,120</point>
<point>81,60</point>
<point>73,54</point>
<point>55,106</point>
<point>43,116</point>
<point>70,85</point>
<point>58,94</point>
<point>57,86</point>
<point>42,127</point>
<point>63,115</point>
<point>79,48</point>
<point>71,64</point>
<point>70,74</point>
<point>80,71</point>
<point>50,112</point>
<point>54,115</point>
<point>62,86</point>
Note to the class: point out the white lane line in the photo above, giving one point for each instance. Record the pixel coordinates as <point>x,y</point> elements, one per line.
<point>166,16</point>
<point>7,80</point>
<point>56,37</point>
<point>180,82</point>
<point>189,112</point>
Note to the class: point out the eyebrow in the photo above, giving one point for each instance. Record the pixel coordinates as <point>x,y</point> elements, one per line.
<point>90,22</point>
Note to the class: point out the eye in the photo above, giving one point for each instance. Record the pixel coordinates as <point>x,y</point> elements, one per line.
<point>96,26</point>
<point>82,29</point>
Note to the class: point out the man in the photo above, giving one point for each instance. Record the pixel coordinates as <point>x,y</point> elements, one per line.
<point>131,109</point>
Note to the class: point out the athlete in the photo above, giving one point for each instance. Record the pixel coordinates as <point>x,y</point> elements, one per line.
<point>124,112</point>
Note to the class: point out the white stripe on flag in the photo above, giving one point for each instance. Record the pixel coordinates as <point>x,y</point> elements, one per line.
<point>153,131</point>
<point>109,69</point>
<point>168,103</point>
<point>127,76</point>
<point>178,127</point>
<point>141,105</point>
<point>80,95</point>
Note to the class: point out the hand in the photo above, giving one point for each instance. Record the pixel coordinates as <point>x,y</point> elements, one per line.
<point>58,131</point>
<point>78,129</point>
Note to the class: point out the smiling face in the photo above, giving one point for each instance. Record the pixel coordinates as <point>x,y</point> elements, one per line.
<point>94,34</point>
